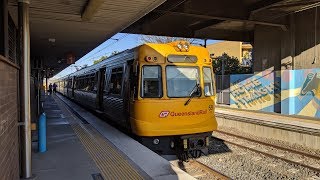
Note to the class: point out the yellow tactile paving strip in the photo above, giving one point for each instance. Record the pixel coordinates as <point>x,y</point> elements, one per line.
<point>109,160</point>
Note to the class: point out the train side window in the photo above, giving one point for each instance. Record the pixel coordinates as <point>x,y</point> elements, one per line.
<point>208,81</point>
<point>151,82</point>
<point>81,83</point>
<point>77,83</point>
<point>87,82</point>
<point>69,82</point>
<point>115,82</point>
<point>91,82</point>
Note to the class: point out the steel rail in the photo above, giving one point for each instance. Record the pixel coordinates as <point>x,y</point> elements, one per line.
<point>211,171</point>
<point>272,156</point>
<point>271,145</point>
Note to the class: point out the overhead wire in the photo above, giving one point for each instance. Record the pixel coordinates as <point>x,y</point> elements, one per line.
<point>116,41</point>
<point>92,55</point>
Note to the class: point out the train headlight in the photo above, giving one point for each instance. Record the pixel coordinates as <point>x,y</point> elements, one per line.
<point>186,46</point>
<point>156,141</point>
<point>179,46</point>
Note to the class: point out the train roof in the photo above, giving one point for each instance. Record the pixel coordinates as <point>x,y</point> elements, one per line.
<point>95,67</point>
<point>124,55</point>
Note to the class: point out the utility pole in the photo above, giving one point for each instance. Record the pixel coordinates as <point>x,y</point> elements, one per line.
<point>222,78</point>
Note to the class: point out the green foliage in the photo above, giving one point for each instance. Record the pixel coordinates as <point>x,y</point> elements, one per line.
<point>114,53</point>
<point>162,39</point>
<point>231,65</point>
<point>100,59</point>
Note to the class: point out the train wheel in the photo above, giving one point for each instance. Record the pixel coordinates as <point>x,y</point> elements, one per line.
<point>183,156</point>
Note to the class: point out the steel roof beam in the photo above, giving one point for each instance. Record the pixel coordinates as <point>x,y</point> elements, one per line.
<point>282,26</point>
<point>264,4</point>
<point>284,4</point>
<point>91,9</point>
<point>201,25</point>
<point>292,4</point>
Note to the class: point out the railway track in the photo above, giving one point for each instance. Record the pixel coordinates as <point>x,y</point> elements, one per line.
<point>213,172</point>
<point>200,171</point>
<point>291,156</point>
<point>271,145</point>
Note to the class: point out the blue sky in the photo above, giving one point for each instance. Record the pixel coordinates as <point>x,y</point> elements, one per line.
<point>118,42</point>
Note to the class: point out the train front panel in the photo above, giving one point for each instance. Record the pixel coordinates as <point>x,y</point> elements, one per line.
<point>175,93</point>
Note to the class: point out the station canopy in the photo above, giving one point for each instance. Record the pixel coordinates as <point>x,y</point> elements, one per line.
<point>63,27</point>
<point>59,28</point>
<point>218,19</point>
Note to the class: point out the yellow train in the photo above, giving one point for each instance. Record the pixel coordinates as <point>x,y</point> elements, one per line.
<point>162,93</point>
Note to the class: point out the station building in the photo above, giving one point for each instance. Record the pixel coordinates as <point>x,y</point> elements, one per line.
<point>239,50</point>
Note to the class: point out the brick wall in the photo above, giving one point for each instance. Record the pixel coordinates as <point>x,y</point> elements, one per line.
<point>9,143</point>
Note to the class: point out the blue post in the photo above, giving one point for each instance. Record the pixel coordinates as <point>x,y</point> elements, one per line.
<point>42,133</point>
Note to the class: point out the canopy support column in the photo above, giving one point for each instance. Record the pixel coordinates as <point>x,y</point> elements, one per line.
<point>23,12</point>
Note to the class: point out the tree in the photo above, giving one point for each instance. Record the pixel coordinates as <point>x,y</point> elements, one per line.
<point>80,67</point>
<point>231,65</point>
<point>114,53</point>
<point>162,39</point>
<point>100,59</point>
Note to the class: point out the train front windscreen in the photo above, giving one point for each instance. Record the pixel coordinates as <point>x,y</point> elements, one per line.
<point>182,81</point>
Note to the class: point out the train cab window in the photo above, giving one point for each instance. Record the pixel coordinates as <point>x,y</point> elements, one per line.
<point>115,82</point>
<point>208,82</point>
<point>151,82</point>
<point>182,81</point>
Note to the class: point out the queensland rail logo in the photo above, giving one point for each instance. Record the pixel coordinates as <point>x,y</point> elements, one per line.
<point>164,114</point>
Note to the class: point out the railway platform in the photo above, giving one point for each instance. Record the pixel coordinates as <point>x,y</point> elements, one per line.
<point>298,130</point>
<point>82,146</point>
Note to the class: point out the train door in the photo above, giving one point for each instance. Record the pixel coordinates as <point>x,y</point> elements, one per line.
<point>113,97</point>
<point>127,91</point>
<point>65,88</point>
<point>73,86</point>
<point>134,81</point>
<point>101,88</point>
<point>69,82</point>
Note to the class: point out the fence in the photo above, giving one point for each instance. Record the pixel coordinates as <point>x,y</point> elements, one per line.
<point>223,89</point>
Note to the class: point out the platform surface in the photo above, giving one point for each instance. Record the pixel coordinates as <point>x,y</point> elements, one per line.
<point>65,158</point>
<point>82,146</point>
